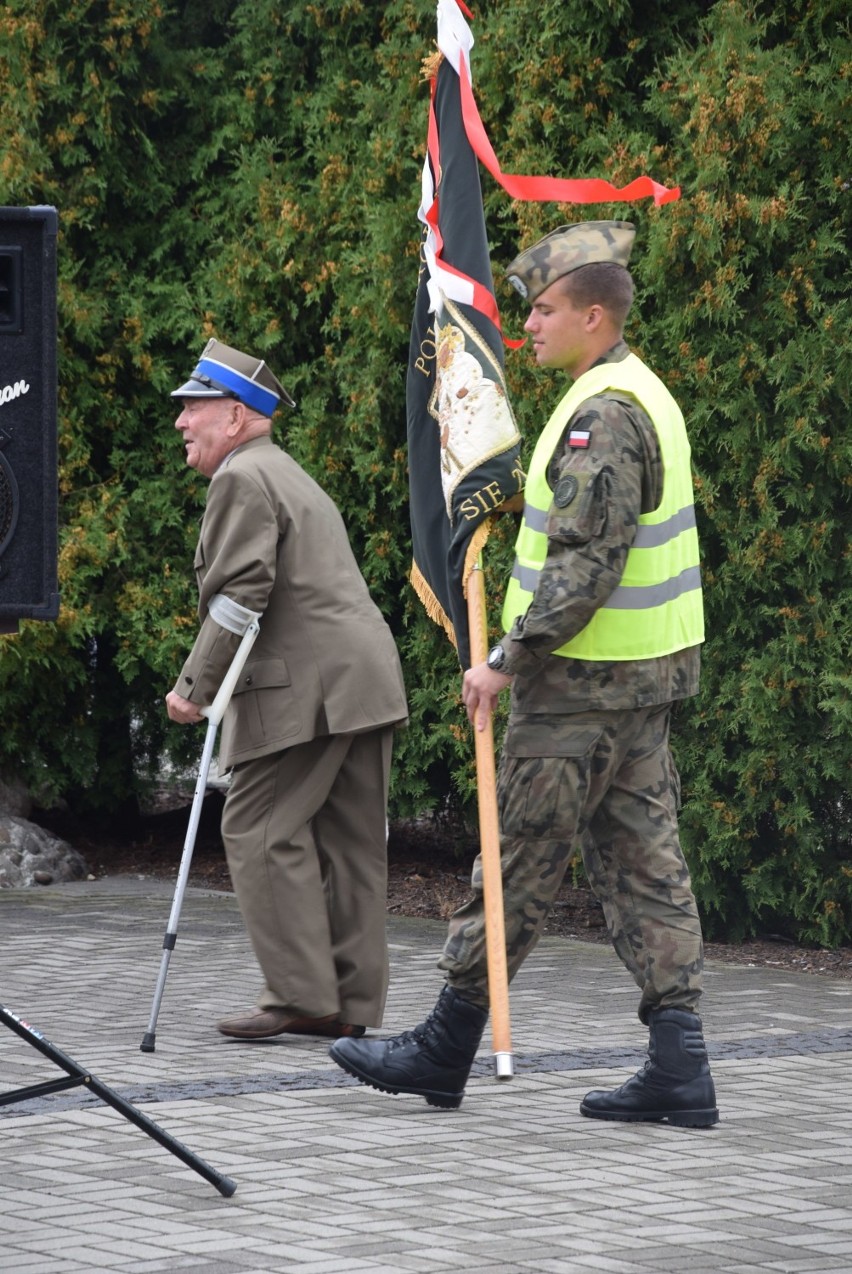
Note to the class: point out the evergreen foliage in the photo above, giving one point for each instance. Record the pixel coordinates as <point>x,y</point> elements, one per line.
<point>252,171</point>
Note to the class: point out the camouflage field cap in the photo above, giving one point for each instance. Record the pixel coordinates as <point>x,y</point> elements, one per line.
<point>223,372</point>
<point>566,249</point>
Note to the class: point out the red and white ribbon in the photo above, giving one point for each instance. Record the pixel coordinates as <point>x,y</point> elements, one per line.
<point>455,41</point>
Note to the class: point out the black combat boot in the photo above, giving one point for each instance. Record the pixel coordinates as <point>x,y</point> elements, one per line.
<point>675,1083</point>
<point>432,1061</point>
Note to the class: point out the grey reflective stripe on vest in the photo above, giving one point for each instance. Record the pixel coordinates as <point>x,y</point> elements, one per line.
<point>628,597</point>
<point>527,576</point>
<point>536,519</point>
<point>646,596</point>
<point>648,535</point>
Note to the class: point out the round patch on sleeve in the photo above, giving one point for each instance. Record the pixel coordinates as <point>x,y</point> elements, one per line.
<point>565,491</point>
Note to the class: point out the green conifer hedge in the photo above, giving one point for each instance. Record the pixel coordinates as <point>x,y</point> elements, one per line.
<point>251,170</point>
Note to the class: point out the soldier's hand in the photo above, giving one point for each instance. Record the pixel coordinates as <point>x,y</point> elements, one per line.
<point>481,688</point>
<point>184,711</point>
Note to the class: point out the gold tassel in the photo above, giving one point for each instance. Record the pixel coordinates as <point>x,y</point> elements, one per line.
<point>429,65</point>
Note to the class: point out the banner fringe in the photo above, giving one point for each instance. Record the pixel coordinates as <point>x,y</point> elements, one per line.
<point>430,602</point>
<point>475,545</point>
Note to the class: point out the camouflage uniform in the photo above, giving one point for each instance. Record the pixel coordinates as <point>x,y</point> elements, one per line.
<point>586,759</point>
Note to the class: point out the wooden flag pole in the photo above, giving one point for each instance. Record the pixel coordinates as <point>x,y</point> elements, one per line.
<point>489,845</point>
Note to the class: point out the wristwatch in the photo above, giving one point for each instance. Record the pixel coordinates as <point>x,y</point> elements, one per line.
<point>496,658</point>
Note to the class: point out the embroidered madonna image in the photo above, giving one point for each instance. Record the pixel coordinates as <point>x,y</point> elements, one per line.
<point>473,413</point>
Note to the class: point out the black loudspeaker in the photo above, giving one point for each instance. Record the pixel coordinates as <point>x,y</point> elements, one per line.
<point>28,472</point>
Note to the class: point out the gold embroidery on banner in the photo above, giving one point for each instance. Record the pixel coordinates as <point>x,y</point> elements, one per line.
<point>472,410</point>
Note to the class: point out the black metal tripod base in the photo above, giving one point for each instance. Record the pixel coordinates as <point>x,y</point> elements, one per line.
<point>77,1075</point>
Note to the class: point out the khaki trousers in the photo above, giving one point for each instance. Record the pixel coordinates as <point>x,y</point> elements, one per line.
<point>305,835</point>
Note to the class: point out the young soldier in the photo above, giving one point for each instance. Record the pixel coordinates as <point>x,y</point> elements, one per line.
<point>604,621</point>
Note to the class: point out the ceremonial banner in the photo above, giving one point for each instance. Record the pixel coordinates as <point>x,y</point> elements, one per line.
<point>463,443</point>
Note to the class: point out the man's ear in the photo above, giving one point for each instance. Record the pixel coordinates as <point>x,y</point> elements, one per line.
<point>237,418</point>
<point>594,318</point>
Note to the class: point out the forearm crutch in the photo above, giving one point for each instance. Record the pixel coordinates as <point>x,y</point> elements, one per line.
<point>236,619</point>
<point>79,1075</point>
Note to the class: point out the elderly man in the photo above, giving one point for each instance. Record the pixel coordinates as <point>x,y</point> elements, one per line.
<point>603,619</point>
<point>309,730</point>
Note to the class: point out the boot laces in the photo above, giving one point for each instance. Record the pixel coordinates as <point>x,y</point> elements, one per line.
<point>417,1035</point>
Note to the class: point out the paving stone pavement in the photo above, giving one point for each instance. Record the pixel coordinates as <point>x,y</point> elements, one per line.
<point>332,1176</point>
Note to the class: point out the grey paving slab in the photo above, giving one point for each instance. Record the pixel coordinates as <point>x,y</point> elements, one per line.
<point>332,1176</point>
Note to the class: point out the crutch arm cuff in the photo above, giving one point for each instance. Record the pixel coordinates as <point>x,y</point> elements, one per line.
<point>231,615</point>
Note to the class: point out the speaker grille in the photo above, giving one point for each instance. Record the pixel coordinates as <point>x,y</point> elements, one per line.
<point>28,430</point>
<point>8,503</point>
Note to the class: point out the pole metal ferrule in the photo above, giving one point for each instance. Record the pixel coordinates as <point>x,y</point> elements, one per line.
<point>503,1066</point>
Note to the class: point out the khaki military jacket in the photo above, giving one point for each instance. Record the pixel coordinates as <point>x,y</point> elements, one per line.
<point>325,661</point>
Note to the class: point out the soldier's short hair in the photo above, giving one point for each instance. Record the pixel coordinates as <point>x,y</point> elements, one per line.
<point>601,283</point>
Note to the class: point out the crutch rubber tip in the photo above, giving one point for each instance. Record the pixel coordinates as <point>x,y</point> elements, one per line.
<point>226,1186</point>
<point>147,1045</point>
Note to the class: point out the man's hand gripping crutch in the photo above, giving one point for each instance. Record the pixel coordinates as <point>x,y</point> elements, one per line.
<point>244,623</point>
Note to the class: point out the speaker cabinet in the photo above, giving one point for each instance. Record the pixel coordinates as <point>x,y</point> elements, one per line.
<point>28,472</point>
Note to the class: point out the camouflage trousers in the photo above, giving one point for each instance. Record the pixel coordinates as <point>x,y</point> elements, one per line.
<point>606,783</point>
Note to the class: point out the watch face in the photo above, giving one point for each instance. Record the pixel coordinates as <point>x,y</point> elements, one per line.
<point>496,658</point>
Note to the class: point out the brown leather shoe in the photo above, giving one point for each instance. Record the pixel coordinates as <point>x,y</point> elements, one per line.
<point>263,1024</point>
<point>331,1026</point>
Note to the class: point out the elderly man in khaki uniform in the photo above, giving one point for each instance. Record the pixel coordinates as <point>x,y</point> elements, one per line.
<point>603,623</point>
<point>308,732</point>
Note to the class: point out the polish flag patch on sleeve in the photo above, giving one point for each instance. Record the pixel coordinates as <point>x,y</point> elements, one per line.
<point>579,437</point>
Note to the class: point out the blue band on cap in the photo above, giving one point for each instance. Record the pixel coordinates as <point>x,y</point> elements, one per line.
<point>248,391</point>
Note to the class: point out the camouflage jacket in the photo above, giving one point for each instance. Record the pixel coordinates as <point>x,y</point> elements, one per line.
<point>624,466</point>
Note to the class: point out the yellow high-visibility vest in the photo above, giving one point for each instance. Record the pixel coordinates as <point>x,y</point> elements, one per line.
<point>657,607</point>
